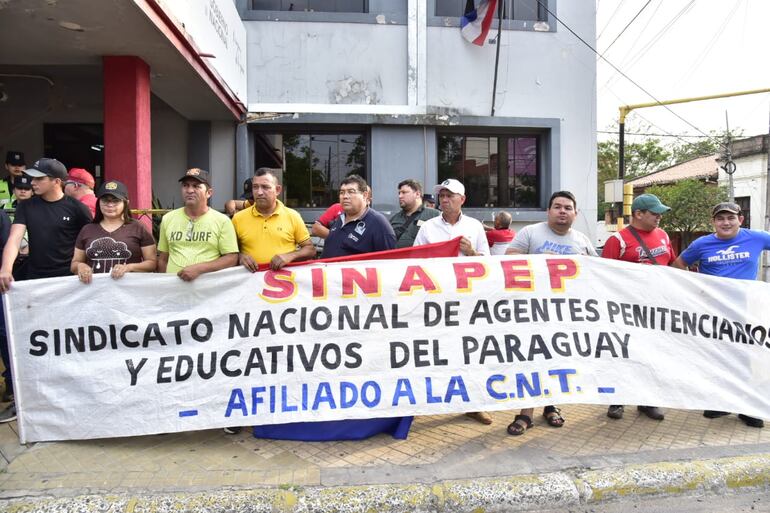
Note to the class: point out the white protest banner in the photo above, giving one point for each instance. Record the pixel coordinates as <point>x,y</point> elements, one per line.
<point>151,353</point>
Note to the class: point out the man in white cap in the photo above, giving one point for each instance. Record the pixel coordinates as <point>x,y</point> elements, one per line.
<point>450,224</point>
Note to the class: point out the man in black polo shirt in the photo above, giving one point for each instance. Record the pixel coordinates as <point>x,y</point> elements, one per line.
<point>52,221</point>
<point>359,229</point>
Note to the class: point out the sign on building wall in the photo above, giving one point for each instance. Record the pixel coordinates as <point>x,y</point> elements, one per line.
<point>216,29</point>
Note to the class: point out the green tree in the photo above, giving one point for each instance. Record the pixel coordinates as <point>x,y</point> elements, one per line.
<point>641,159</point>
<point>691,202</point>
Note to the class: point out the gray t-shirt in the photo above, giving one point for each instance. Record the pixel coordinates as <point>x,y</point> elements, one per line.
<point>536,239</point>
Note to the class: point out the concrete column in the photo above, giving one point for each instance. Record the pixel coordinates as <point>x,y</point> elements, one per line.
<point>127,146</point>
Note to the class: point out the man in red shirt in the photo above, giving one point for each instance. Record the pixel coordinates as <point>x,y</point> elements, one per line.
<point>80,185</point>
<point>501,236</point>
<point>644,243</point>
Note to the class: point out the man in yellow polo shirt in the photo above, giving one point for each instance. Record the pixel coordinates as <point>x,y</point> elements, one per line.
<point>269,232</point>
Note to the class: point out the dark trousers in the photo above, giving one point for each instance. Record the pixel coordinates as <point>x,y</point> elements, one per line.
<point>4,349</point>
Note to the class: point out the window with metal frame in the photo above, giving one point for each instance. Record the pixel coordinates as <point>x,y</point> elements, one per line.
<point>528,10</point>
<point>356,6</point>
<point>313,163</point>
<point>497,170</point>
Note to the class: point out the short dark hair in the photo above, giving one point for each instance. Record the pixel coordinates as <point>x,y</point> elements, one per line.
<point>266,171</point>
<point>412,184</point>
<point>563,194</point>
<point>361,184</point>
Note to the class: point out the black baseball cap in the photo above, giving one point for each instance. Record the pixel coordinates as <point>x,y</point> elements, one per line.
<point>22,182</point>
<point>47,167</point>
<point>15,158</point>
<point>113,188</point>
<point>200,175</point>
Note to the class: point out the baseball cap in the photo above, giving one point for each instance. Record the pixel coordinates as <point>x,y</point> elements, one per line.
<point>22,182</point>
<point>113,188</point>
<point>451,185</point>
<point>14,158</point>
<point>428,197</point>
<point>47,167</point>
<point>726,207</point>
<point>649,202</point>
<point>81,176</point>
<point>200,175</point>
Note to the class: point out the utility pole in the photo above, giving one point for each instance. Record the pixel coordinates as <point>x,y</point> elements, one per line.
<point>767,207</point>
<point>727,158</point>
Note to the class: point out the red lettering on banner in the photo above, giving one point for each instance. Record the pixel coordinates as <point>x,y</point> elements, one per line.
<point>416,277</point>
<point>561,269</point>
<point>467,271</point>
<point>353,279</point>
<point>318,280</point>
<point>518,275</point>
<point>279,286</point>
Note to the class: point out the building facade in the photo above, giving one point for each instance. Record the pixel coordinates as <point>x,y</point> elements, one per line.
<point>141,89</point>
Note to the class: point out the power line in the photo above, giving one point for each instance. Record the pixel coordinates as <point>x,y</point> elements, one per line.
<point>610,19</point>
<point>657,37</point>
<point>645,91</point>
<point>655,135</point>
<point>626,27</point>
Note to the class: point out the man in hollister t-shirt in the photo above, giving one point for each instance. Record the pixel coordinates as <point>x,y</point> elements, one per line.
<point>52,222</point>
<point>729,252</point>
<point>641,242</point>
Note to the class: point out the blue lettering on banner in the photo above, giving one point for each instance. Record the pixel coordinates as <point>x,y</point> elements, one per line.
<point>530,385</point>
<point>403,389</point>
<point>188,413</point>
<point>606,390</point>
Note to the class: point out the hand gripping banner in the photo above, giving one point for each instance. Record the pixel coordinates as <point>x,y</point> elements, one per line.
<point>150,353</point>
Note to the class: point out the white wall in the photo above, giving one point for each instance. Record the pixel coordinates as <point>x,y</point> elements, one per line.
<point>300,62</point>
<point>223,163</point>
<point>169,152</point>
<point>547,75</point>
<point>750,179</point>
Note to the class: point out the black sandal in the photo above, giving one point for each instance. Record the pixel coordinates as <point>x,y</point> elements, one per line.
<point>752,421</point>
<point>516,429</point>
<point>553,416</point>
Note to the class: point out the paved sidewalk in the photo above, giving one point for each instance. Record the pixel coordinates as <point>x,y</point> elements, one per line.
<point>440,450</point>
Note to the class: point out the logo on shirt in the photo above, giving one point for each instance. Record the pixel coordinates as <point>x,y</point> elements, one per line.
<point>729,254</point>
<point>654,252</point>
<point>65,218</point>
<point>360,227</point>
<point>552,248</point>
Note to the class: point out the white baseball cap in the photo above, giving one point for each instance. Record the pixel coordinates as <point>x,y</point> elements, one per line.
<point>451,185</point>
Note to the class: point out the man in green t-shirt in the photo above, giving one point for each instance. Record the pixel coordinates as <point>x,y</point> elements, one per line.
<point>196,239</point>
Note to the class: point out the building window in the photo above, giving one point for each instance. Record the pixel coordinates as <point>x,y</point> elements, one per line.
<point>312,164</point>
<point>357,6</point>
<point>497,170</point>
<point>527,10</point>
<point>745,204</point>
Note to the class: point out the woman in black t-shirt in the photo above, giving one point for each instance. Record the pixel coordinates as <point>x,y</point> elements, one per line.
<point>114,242</point>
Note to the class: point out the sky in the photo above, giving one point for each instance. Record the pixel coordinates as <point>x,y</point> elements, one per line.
<point>678,49</point>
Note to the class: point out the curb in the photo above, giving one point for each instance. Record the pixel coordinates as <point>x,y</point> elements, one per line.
<point>516,493</point>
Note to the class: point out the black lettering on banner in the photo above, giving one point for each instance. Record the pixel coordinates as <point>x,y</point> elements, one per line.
<point>39,347</point>
<point>133,370</point>
<point>355,359</point>
<point>223,364</point>
<point>195,330</point>
<point>164,367</point>
<point>235,324</point>
<point>177,332</point>
<point>184,367</point>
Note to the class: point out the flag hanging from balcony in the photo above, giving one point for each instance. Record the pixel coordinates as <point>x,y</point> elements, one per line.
<point>475,23</point>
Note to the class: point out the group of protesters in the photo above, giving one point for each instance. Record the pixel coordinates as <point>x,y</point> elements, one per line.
<point>61,226</point>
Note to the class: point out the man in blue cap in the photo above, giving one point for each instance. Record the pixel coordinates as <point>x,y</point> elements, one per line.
<point>641,242</point>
